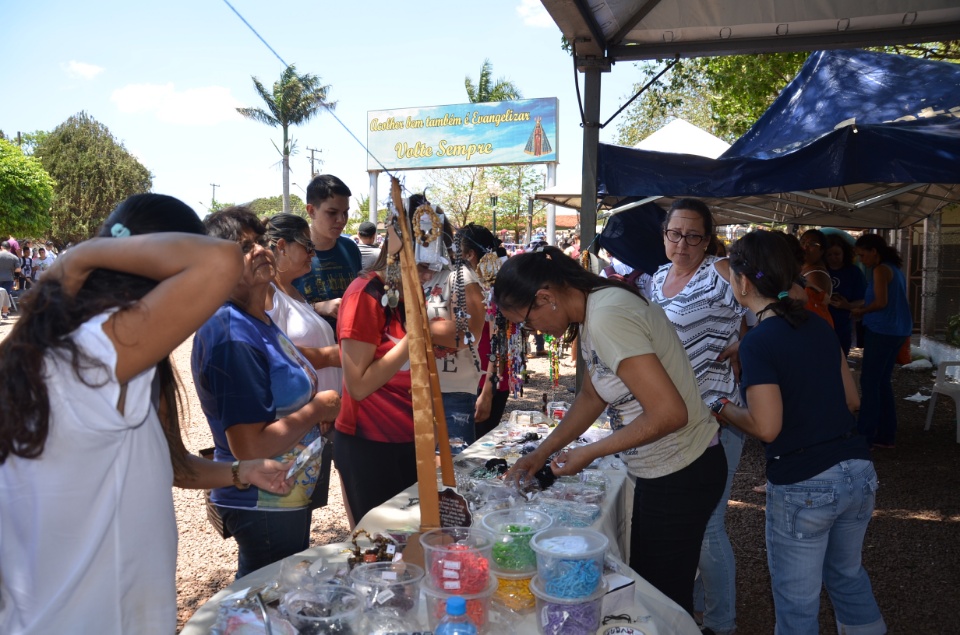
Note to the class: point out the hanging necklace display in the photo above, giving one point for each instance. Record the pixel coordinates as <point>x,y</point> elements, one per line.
<point>429,223</point>
<point>462,318</point>
<point>516,359</point>
<point>392,283</point>
<point>555,344</point>
<point>498,340</point>
<point>488,268</point>
<point>393,276</point>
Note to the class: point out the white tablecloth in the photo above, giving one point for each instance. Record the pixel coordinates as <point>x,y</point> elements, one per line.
<point>658,614</point>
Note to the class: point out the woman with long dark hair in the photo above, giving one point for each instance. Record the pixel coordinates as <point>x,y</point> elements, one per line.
<point>821,484</point>
<point>817,282</point>
<point>373,445</point>
<point>89,434</point>
<point>887,323</point>
<point>289,238</point>
<point>849,287</point>
<point>479,249</point>
<point>639,372</point>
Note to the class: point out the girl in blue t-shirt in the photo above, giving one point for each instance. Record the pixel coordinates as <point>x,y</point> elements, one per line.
<point>821,484</point>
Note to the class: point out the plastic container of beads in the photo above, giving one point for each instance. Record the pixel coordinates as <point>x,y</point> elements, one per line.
<point>478,604</point>
<point>389,586</point>
<point>564,616</point>
<point>569,514</point>
<point>326,608</point>
<point>457,559</point>
<point>512,530</point>
<point>513,592</point>
<point>570,561</point>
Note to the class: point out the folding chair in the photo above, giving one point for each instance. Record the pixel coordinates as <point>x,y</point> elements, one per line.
<point>945,385</point>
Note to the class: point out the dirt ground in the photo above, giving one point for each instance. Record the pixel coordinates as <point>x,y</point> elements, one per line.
<point>911,551</point>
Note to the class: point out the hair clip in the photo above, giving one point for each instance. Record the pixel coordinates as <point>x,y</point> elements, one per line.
<point>119,231</point>
<point>759,274</point>
<point>783,295</point>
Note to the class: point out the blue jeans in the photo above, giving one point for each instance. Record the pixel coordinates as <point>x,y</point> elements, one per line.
<point>878,407</point>
<point>265,537</point>
<point>715,592</point>
<point>462,427</point>
<point>815,532</point>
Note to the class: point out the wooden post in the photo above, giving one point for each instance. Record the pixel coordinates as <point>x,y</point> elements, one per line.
<point>428,415</point>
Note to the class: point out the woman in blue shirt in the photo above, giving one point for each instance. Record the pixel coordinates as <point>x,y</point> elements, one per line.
<point>261,399</point>
<point>849,286</point>
<point>821,484</point>
<point>887,321</point>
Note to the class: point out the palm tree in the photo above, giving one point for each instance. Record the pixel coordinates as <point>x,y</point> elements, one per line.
<point>295,100</point>
<point>501,90</point>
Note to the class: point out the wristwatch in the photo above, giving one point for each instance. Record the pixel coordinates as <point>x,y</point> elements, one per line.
<point>717,406</point>
<point>235,470</point>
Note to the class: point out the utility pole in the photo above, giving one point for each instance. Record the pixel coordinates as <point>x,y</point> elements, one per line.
<point>213,196</point>
<point>313,172</point>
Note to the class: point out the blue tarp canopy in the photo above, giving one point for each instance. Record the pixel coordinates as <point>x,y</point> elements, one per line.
<point>858,139</point>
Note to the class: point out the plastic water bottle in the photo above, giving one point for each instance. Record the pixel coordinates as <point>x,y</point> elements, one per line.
<point>456,622</point>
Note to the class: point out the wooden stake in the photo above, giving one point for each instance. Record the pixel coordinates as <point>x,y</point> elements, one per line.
<point>430,430</point>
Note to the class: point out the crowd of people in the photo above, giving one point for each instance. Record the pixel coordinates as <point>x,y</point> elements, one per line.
<point>301,336</point>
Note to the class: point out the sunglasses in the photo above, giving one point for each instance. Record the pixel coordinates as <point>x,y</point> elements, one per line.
<point>306,242</point>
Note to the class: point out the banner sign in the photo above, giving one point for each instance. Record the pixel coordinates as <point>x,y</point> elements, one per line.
<point>463,135</point>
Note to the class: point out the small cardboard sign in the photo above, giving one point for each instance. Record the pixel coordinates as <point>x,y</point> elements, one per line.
<point>454,511</point>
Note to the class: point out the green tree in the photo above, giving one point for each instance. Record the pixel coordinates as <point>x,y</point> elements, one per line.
<point>726,95</point>
<point>362,214</point>
<point>295,99</point>
<point>272,205</point>
<point>516,185</point>
<point>93,172</point>
<point>26,191</point>
<point>462,193</point>
<point>486,89</point>
<point>722,95</point>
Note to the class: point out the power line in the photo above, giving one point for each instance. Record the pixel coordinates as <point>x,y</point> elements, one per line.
<point>330,110</point>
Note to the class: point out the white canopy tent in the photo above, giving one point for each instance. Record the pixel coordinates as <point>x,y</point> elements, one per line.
<point>678,135</point>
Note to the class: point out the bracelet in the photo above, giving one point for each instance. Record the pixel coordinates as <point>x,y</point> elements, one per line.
<point>235,470</point>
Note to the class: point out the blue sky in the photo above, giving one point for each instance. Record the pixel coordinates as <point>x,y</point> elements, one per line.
<point>166,77</point>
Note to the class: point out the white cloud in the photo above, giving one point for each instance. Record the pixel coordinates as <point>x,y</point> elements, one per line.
<point>81,70</point>
<point>533,14</point>
<point>198,106</point>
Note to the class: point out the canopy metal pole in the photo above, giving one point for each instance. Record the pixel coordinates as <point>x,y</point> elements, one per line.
<point>931,274</point>
<point>591,140</point>
<point>372,212</point>
<point>551,208</point>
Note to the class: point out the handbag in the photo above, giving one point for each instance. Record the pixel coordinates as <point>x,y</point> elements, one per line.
<point>903,355</point>
<point>321,490</point>
<point>213,512</point>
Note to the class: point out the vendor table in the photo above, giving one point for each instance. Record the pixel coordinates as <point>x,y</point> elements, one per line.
<point>658,614</point>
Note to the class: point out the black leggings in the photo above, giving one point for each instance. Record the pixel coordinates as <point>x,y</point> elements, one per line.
<point>372,472</point>
<point>670,515</point>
